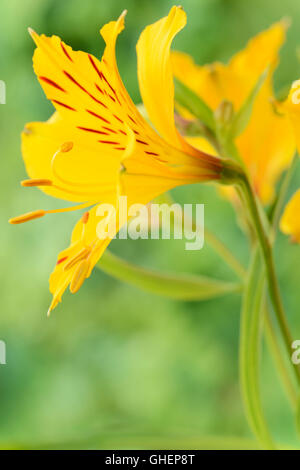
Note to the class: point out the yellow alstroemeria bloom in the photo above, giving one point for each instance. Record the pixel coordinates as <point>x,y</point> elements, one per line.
<point>267,144</point>
<point>290,221</point>
<point>97,146</point>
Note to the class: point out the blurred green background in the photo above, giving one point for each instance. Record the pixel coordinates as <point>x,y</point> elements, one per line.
<point>114,366</point>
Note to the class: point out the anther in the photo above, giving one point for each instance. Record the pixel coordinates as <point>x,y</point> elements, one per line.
<point>85,218</point>
<point>26,217</point>
<point>36,182</point>
<point>66,147</point>
<point>81,255</point>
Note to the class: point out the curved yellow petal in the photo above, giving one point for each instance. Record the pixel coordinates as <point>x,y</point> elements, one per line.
<point>155,74</point>
<point>261,52</point>
<point>88,93</point>
<point>290,221</point>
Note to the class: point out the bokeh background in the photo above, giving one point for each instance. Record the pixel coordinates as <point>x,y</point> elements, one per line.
<point>114,366</point>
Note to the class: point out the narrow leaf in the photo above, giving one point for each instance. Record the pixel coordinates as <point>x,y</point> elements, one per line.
<point>186,98</point>
<point>181,286</point>
<point>243,116</point>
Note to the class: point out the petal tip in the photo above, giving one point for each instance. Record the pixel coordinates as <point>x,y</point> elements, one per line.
<point>32,33</point>
<point>26,130</point>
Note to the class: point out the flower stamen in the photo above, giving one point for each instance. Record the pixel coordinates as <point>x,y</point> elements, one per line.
<point>28,216</point>
<point>79,276</point>
<point>36,182</point>
<point>40,213</point>
<point>83,254</point>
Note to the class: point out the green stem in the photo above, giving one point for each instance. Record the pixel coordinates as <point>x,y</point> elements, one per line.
<point>249,353</point>
<point>270,270</point>
<point>275,349</point>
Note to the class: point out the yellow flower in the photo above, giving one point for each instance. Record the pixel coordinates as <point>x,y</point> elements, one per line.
<point>97,146</point>
<point>292,107</point>
<point>290,221</point>
<point>267,144</point>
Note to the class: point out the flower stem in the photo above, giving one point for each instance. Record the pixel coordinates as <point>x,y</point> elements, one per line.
<point>249,351</point>
<point>278,358</point>
<point>266,249</point>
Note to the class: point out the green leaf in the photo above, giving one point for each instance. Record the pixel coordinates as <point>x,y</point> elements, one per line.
<point>243,116</point>
<point>181,286</point>
<point>250,336</point>
<point>186,98</point>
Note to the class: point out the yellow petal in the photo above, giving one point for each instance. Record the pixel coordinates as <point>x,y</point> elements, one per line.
<point>97,115</point>
<point>155,74</point>
<point>233,82</point>
<point>90,96</point>
<point>40,143</point>
<point>267,144</point>
<point>290,221</point>
<point>260,52</point>
<point>212,83</point>
<point>75,263</point>
<point>292,106</point>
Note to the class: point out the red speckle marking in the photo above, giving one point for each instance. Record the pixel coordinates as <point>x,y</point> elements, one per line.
<point>131,118</point>
<point>97,101</point>
<point>108,142</point>
<point>64,105</point>
<point>61,260</point>
<point>97,116</point>
<point>65,52</point>
<point>87,129</point>
<point>94,65</point>
<point>142,142</point>
<point>109,130</point>
<point>52,83</point>
<point>152,153</point>
<point>118,118</point>
<point>106,81</point>
<point>99,89</point>
<point>74,81</point>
